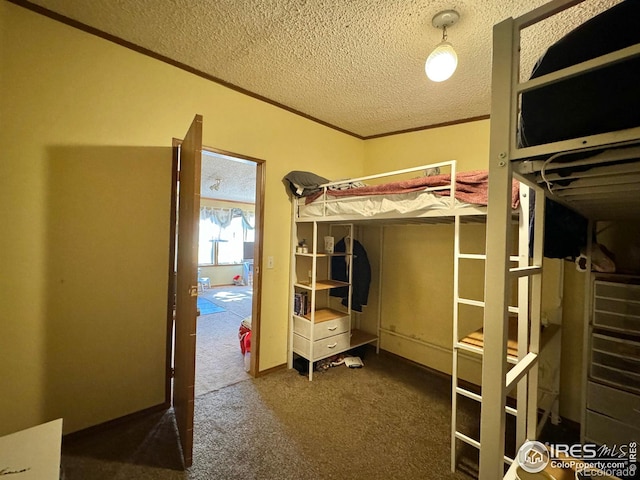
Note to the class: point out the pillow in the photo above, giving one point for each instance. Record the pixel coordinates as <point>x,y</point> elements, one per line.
<point>302,184</point>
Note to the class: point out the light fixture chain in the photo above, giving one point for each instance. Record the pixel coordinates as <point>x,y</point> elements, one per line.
<point>444,33</point>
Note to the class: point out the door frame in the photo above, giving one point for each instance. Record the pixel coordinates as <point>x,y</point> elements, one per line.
<point>171,274</point>
<point>254,368</point>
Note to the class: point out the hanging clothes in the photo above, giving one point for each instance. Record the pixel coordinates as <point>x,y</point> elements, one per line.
<point>360,275</point>
<point>565,231</point>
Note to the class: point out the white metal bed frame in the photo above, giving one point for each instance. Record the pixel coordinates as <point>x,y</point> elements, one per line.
<point>453,208</point>
<point>455,212</point>
<point>452,212</point>
<point>531,165</point>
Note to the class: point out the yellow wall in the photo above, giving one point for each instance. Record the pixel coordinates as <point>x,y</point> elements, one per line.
<point>84,204</point>
<point>84,197</point>
<point>417,284</point>
<point>467,143</point>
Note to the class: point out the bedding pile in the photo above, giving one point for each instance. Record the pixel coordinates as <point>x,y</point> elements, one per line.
<point>471,187</point>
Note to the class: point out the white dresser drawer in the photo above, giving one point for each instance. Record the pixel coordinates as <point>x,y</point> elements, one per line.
<point>615,361</point>
<point>618,404</point>
<point>603,430</point>
<point>617,322</point>
<point>617,378</point>
<point>616,346</point>
<point>617,307</point>
<point>321,348</point>
<point>328,323</point>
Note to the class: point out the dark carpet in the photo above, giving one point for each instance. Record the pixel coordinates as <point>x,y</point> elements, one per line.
<point>219,360</point>
<point>388,420</point>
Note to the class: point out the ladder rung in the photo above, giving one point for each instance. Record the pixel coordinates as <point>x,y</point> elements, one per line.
<point>478,398</point>
<point>474,303</point>
<point>525,271</point>
<point>520,369</point>
<point>472,256</point>
<point>468,394</point>
<point>482,256</point>
<point>475,443</point>
<point>468,440</point>
<point>478,303</point>
<point>469,348</point>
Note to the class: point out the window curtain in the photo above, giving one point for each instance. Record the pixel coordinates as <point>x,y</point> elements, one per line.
<point>223,216</point>
<point>248,219</point>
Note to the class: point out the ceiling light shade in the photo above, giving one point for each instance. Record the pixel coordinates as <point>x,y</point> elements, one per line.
<point>215,185</point>
<point>443,60</point>
<point>441,63</point>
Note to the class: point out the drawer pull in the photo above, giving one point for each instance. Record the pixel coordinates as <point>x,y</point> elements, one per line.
<point>332,346</point>
<point>331,329</point>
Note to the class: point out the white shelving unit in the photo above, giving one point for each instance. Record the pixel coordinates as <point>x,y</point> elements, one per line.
<point>321,325</point>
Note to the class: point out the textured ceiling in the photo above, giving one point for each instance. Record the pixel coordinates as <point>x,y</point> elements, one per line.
<point>237,178</point>
<point>357,65</point>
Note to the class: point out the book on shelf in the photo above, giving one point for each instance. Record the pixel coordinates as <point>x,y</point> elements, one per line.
<point>301,303</point>
<point>297,301</point>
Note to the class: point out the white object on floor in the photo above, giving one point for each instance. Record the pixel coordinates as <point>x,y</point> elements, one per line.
<point>32,454</point>
<point>247,361</point>
<point>353,362</point>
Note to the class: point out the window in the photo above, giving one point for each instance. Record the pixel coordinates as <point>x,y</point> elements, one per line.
<point>223,246</point>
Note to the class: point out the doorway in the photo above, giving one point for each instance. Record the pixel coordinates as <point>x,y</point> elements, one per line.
<point>228,234</point>
<point>185,280</point>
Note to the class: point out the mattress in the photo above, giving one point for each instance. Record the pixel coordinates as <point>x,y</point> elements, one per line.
<point>411,204</point>
<point>600,101</point>
<point>417,197</point>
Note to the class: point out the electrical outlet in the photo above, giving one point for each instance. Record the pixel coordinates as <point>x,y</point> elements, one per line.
<point>270,262</point>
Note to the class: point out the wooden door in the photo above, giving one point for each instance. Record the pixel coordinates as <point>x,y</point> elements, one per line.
<point>187,286</point>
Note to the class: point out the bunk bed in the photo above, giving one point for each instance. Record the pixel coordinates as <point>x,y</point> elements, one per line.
<point>434,198</point>
<point>406,196</point>
<point>392,197</point>
<point>584,89</point>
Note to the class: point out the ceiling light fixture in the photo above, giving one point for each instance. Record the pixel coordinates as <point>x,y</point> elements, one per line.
<point>216,184</point>
<point>442,62</point>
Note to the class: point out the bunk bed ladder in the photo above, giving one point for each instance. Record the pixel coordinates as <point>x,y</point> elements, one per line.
<point>523,372</point>
<point>523,272</point>
<point>497,379</point>
<point>460,346</point>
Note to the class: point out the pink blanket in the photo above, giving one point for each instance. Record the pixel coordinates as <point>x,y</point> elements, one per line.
<point>471,187</point>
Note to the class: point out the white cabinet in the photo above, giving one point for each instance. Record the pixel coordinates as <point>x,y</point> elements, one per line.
<point>320,324</point>
<point>612,404</point>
